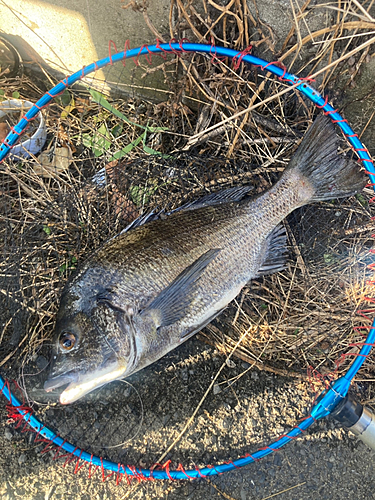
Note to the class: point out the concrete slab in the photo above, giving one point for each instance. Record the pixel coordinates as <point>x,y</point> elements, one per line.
<point>65,35</point>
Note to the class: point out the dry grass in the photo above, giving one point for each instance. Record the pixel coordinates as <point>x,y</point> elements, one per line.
<point>53,214</point>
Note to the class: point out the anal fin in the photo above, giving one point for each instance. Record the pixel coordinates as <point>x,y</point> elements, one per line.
<point>276,252</point>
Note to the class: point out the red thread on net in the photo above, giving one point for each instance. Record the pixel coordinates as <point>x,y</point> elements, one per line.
<point>104,476</point>
<point>174,51</point>
<point>313,374</point>
<point>362,149</point>
<point>343,121</point>
<point>50,446</point>
<point>166,466</point>
<point>272,63</point>
<point>213,52</point>
<point>37,438</point>
<point>215,59</point>
<point>136,474</point>
<point>247,455</point>
<point>39,108</point>
<point>16,416</point>
<point>300,429</point>
<point>366,159</point>
<point>58,449</point>
<point>265,448</point>
<point>287,436</point>
<point>90,465</point>
<point>180,468</point>
<point>306,418</point>
<point>232,463</point>
<point>66,85</point>
<point>237,59</point>
<point>308,79</point>
<point>6,143</point>
<point>163,52</point>
<point>218,473</point>
<point>361,344</point>
<point>28,120</point>
<point>52,96</point>
<point>283,67</point>
<point>110,43</point>
<point>362,327</point>
<point>345,355</point>
<point>120,474</point>
<point>331,112</point>
<point>198,470</point>
<point>323,105</point>
<point>148,56</point>
<point>65,82</point>
<point>123,60</point>
<point>70,457</point>
<point>370,299</point>
<point>14,412</point>
<point>78,467</point>
<point>128,479</point>
<point>15,131</point>
<point>363,313</point>
<point>5,385</point>
<point>180,42</point>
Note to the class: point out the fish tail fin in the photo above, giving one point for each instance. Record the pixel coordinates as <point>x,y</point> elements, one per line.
<point>326,174</point>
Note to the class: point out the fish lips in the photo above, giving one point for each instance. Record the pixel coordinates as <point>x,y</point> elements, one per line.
<point>55,382</point>
<point>81,384</point>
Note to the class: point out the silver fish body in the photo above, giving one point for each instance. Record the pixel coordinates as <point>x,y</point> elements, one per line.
<point>149,289</point>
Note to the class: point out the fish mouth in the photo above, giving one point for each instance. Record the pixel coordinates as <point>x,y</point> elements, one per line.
<point>82,384</point>
<point>56,382</point>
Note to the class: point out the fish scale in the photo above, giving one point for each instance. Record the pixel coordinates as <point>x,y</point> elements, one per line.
<point>152,287</point>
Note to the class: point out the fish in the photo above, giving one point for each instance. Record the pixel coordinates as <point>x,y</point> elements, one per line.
<point>153,286</point>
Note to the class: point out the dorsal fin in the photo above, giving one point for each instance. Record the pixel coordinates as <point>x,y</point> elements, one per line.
<point>223,196</point>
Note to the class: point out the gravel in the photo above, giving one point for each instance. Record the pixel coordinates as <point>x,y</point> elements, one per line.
<point>326,463</point>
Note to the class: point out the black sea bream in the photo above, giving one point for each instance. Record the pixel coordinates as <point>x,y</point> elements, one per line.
<point>150,288</point>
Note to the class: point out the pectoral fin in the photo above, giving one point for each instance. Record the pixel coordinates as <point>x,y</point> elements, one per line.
<point>174,301</point>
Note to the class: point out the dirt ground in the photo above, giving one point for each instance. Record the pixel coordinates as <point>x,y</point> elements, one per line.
<point>244,411</point>
<point>327,463</point>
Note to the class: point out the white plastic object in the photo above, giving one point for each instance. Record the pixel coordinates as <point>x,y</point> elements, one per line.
<point>32,145</point>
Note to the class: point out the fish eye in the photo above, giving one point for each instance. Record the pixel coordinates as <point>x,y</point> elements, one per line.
<point>67,341</point>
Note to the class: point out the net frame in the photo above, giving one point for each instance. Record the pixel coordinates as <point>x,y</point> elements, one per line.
<point>328,399</point>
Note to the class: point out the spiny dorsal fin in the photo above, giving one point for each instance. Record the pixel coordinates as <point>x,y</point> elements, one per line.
<point>224,196</point>
<point>236,193</point>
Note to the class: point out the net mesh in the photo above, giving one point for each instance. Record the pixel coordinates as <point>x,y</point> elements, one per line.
<point>112,156</point>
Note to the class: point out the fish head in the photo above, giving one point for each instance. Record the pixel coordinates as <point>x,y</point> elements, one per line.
<point>93,345</point>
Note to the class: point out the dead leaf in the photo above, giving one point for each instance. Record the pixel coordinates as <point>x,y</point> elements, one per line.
<point>4,130</point>
<point>52,163</point>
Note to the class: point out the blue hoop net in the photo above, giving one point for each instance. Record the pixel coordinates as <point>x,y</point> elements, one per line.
<point>328,399</point>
